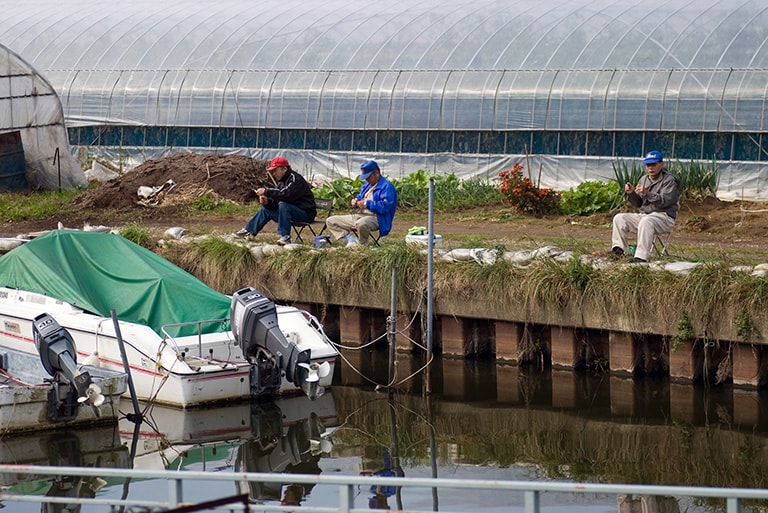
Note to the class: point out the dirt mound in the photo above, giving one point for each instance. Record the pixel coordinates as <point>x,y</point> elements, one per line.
<point>232,177</point>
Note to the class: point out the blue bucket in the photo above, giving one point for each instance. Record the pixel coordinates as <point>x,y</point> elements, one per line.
<point>322,241</point>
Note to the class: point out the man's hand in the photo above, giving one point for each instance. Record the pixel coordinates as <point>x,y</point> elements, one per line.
<point>640,190</point>
<point>355,203</point>
<point>628,188</point>
<point>263,200</point>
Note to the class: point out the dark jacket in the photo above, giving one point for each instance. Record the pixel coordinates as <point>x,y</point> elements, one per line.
<point>661,195</point>
<point>383,203</point>
<point>294,189</point>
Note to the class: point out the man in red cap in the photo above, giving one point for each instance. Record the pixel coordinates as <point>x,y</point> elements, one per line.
<point>289,201</point>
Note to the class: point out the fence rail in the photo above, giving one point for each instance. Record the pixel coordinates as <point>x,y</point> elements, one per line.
<point>531,490</point>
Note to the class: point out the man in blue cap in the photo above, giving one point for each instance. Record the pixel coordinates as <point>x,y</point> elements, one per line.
<point>374,208</point>
<point>656,196</point>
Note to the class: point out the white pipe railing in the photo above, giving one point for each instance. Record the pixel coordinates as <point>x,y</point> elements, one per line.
<point>531,490</point>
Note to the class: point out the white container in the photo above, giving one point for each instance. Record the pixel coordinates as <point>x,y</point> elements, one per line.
<point>423,240</point>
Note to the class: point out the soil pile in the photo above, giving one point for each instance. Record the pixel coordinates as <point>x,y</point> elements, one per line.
<point>232,177</point>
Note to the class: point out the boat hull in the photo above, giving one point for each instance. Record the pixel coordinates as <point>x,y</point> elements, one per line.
<point>24,399</point>
<point>182,372</point>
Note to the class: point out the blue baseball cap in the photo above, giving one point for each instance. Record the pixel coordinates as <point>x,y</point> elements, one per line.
<point>368,168</point>
<point>652,157</point>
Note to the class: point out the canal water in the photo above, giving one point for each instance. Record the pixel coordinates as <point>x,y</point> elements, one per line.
<point>476,419</point>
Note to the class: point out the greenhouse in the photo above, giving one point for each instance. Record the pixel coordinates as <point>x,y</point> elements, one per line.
<point>460,86</point>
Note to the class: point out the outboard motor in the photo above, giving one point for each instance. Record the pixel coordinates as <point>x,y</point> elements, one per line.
<point>257,333</point>
<point>59,358</point>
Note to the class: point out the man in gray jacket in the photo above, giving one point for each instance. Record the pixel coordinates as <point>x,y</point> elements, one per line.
<point>656,196</point>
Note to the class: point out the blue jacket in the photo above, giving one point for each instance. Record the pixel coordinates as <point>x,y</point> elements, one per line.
<point>383,203</point>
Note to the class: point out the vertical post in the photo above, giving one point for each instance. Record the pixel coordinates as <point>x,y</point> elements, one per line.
<point>430,261</point>
<point>174,492</point>
<point>346,498</point>
<point>126,366</point>
<point>392,329</point>
<point>57,162</point>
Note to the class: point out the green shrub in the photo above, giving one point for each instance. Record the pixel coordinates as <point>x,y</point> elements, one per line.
<point>591,197</point>
<point>137,233</point>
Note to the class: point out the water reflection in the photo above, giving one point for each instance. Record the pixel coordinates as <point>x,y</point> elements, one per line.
<point>86,447</point>
<point>482,421</point>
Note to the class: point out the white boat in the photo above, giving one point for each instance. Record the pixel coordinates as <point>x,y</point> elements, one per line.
<point>185,343</point>
<point>42,394</point>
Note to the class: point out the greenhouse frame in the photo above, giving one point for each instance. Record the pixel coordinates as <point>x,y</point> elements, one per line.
<point>459,86</point>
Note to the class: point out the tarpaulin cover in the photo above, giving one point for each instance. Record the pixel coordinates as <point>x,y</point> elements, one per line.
<point>100,272</point>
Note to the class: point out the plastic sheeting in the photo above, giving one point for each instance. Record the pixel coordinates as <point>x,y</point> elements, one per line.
<point>402,65</point>
<point>29,104</point>
<point>746,181</point>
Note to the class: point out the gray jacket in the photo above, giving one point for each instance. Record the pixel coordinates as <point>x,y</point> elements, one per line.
<point>661,195</point>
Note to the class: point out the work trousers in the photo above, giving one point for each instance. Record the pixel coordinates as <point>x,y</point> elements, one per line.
<point>646,226</point>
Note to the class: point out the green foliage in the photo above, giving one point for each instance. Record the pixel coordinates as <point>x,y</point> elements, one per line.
<point>449,191</point>
<point>579,272</point>
<point>209,205</point>
<point>745,326</point>
<point>591,197</point>
<point>341,191</point>
<point>19,206</point>
<point>137,233</point>
<point>625,174</point>
<point>413,191</point>
<point>695,179</point>
<point>685,331</point>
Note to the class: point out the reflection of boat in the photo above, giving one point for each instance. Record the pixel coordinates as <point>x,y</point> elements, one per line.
<point>174,439</point>
<point>179,342</point>
<point>279,447</point>
<point>50,391</point>
<point>99,447</point>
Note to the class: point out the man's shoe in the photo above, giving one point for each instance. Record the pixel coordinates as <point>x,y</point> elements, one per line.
<point>636,260</point>
<point>285,239</point>
<point>351,240</point>
<point>242,232</point>
<point>616,253</point>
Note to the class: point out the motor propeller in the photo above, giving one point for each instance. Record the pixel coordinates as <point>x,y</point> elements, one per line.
<point>59,358</point>
<point>316,371</point>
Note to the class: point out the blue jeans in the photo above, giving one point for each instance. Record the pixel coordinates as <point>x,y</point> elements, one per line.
<point>284,215</point>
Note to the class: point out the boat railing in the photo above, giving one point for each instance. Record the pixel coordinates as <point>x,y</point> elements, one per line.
<point>168,338</point>
<point>177,483</point>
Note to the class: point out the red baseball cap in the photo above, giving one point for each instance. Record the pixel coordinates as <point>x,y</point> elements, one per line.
<point>277,162</point>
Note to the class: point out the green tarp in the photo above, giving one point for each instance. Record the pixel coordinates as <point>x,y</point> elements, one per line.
<point>100,272</point>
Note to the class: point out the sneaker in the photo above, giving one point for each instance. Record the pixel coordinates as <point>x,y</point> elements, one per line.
<point>285,239</point>
<point>351,240</point>
<point>242,232</point>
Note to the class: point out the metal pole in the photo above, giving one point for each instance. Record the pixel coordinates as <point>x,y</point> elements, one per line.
<point>430,260</point>
<point>392,329</point>
<point>127,367</point>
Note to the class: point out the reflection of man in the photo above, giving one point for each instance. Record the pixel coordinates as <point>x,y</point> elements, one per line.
<point>293,495</point>
<point>381,494</point>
